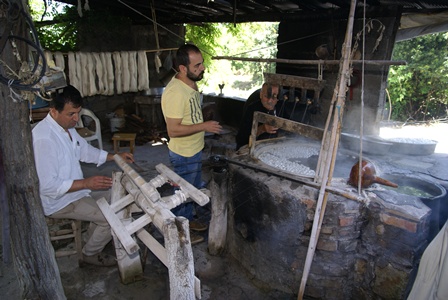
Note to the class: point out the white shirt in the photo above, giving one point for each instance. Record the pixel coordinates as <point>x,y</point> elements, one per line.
<point>57,159</point>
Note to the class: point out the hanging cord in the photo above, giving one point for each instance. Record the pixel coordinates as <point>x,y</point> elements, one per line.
<point>26,79</point>
<point>148,18</point>
<point>361,129</point>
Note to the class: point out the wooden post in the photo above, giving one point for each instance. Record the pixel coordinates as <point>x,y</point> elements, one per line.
<point>129,265</point>
<point>180,258</point>
<point>328,164</point>
<point>217,232</point>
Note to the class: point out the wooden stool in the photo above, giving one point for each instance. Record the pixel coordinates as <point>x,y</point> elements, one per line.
<point>124,137</point>
<point>61,229</point>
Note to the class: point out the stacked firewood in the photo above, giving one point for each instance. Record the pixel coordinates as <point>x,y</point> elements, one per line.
<point>146,132</point>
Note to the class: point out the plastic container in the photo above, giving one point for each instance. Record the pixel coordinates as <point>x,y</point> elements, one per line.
<point>116,124</point>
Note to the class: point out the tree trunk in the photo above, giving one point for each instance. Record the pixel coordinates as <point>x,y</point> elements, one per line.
<point>33,254</point>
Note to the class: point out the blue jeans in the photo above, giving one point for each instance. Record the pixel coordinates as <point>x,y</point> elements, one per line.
<point>190,169</point>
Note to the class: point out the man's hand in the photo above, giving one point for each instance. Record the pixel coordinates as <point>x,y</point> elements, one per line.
<point>92,183</point>
<point>126,156</point>
<point>213,127</point>
<point>270,129</point>
<point>98,182</point>
<point>266,128</point>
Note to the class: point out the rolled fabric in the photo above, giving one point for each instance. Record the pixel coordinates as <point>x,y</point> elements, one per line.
<point>84,74</point>
<point>72,74</point>
<point>110,73</point>
<point>49,59</point>
<point>118,72</point>
<point>126,75</point>
<point>91,66</point>
<point>99,72</point>
<point>59,60</point>
<point>143,73</point>
<point>133,71</point>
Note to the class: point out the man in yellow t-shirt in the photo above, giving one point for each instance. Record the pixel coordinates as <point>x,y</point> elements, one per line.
<point>182,110</point>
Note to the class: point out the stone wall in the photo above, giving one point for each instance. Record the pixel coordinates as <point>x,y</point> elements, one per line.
<point>365,251</point>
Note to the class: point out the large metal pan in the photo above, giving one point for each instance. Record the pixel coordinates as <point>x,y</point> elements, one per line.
<point>370,144</point>
<point>412,146</point>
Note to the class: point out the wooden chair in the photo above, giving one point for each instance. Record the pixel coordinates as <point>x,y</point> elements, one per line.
<point>61,229</point>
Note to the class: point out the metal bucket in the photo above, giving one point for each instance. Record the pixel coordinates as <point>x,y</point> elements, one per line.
<point>429,192</point>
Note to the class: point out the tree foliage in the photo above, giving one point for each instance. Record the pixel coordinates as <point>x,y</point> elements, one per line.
<point>61,36</point>
<point>419,90</point>
<point>255,40</point>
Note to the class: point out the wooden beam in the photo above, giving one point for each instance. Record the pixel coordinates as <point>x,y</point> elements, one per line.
<point>295,81</point>
<point>314,62</point>
<point>285,124</point>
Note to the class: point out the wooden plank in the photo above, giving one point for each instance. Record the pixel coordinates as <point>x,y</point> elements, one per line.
<point>148,190</point>
<point>285,124</point>
<point>153,245</point>
<point>121,203</point>
<point>189,190</point>
<point>291,126</point>
<point>125,238</point>
<point>160,252</point>
<point>180,258</point>
<point>217,232</point>
<point>62,253</point>
<point>129,265</point>
<point>295,81</point>
<point>138,224</point>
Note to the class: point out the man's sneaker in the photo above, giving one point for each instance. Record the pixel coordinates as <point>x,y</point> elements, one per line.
<point>195,238</point>
<point>196,226</point>
<point>100,259</point>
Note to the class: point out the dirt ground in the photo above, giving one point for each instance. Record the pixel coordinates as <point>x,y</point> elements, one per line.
<point>221,278</point>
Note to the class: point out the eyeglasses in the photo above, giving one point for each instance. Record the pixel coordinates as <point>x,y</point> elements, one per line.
<point>273,97</point>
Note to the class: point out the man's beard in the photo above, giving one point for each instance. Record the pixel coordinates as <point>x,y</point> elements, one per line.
<point>193,77</point>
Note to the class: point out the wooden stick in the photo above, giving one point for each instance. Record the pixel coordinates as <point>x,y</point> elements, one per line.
<point>217,232</point>
<point>189,190</point>
<point>322,199</point>
<point>312,62</point>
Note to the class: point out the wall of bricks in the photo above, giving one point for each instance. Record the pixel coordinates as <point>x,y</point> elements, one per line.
<point>365,251</point>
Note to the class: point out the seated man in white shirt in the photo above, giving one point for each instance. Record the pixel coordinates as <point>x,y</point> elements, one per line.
<point>64,192</point>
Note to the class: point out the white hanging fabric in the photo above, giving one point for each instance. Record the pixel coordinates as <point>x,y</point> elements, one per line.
<point>118,72</point>
<point>126,75</point>
<point>143,73</point>
<point>105,73</point>
<point>59,60</point>
<point>133,71</point>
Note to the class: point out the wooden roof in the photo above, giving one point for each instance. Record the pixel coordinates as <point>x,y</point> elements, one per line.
<point>236,11</point>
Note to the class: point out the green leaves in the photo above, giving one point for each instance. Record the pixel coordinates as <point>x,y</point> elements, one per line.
<point>419,90</point>
<point>254,40</point>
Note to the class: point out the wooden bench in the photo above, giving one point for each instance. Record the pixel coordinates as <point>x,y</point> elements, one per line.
<point>124,137</point>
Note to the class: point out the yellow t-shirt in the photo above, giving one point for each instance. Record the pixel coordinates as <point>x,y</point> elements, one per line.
<point>179,101</point>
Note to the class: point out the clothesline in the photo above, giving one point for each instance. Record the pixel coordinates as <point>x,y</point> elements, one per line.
<point>147,51</point>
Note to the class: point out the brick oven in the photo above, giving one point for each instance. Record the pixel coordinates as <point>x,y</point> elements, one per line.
<point>369,245</point>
